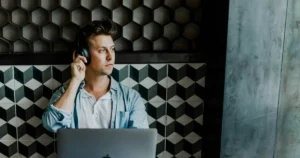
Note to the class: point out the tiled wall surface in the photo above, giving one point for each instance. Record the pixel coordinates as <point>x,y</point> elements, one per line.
<point>172,93</point>
<point>144,25</point>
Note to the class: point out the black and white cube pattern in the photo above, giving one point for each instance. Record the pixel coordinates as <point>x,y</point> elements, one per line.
<point>6,74</point>
<point>6,84</point>
<point>29,82</point>
<point>45,145</point>
<point>184,147</point>
<point>27,146</point>
<point>33,90</point>
<point>149,80</point>
<point>184,117</point>
<point>121,74</point>
<point>25,110</point>
<point>186,82</point>
<point>172,94</point>
<point>185,91</point>
<point>61,73</point>
<point>8,92</point>
<point>7,111</point>
<point>8,136</point>
<point>7,121</point>
<point>160,146</point>
<point>34,128</point>
<point>52,85</point>
<point>43,74</point>
<point>39,106</point>
<point>157,116</point>
<point>31,114</point>
<point>41,147</point>
<point>184,125</point>
<point>19,90</point>
<point>23,73</point>
<point>29,108</point>
<point>8,148</point>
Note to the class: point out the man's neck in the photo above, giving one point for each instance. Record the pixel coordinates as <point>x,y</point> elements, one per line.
<point>99,84</point>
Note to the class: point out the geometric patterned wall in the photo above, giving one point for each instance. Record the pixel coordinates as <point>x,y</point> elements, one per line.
<point>172,93</point>
<point>50,25</point>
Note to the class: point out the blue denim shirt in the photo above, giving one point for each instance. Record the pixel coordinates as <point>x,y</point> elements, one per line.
<point>128,109</point>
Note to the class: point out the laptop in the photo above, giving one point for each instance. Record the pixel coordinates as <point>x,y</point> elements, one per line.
<point>106,143</point>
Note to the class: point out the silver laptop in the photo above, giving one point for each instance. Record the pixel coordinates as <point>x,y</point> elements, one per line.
<point>106,143</point>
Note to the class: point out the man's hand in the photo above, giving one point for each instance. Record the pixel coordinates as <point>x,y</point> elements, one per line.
<point>78,68</point>
<point>66,100</point>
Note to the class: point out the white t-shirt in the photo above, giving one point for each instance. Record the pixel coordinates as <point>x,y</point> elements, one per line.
<point>95,113</point>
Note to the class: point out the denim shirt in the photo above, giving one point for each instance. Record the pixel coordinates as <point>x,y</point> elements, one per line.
<point>128,109</point>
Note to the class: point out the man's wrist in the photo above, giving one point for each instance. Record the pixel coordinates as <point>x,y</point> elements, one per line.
<point>75,81</point>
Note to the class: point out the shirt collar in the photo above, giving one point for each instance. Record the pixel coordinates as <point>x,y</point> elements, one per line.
<point>88,95</point>
<point>113,83</point>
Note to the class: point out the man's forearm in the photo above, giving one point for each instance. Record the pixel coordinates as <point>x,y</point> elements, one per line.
<point>66,101</point>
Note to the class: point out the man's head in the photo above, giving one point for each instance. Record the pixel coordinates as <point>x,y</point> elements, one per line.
<point>96,40</point>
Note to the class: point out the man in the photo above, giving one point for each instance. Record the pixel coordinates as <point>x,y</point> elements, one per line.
<point>93,99</point>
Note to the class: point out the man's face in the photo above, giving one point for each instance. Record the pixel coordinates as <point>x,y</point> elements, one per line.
<point>102,51</point>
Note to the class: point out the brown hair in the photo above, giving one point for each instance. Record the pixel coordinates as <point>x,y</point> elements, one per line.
<point>103,27</point>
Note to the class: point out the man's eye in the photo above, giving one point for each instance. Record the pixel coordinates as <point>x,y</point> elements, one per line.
<point>102,50</point>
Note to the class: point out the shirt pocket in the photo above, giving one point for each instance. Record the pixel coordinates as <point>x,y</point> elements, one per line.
<point>124,118</point>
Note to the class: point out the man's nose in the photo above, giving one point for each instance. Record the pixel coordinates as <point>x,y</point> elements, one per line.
<point>109,55</point>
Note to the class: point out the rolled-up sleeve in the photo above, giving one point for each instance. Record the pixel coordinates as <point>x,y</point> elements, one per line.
<point>138,115</point>
<point>54,118</point>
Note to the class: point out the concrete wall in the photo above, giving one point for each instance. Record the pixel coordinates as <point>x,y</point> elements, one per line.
<point>288,124</point>
<point>252,79</point>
